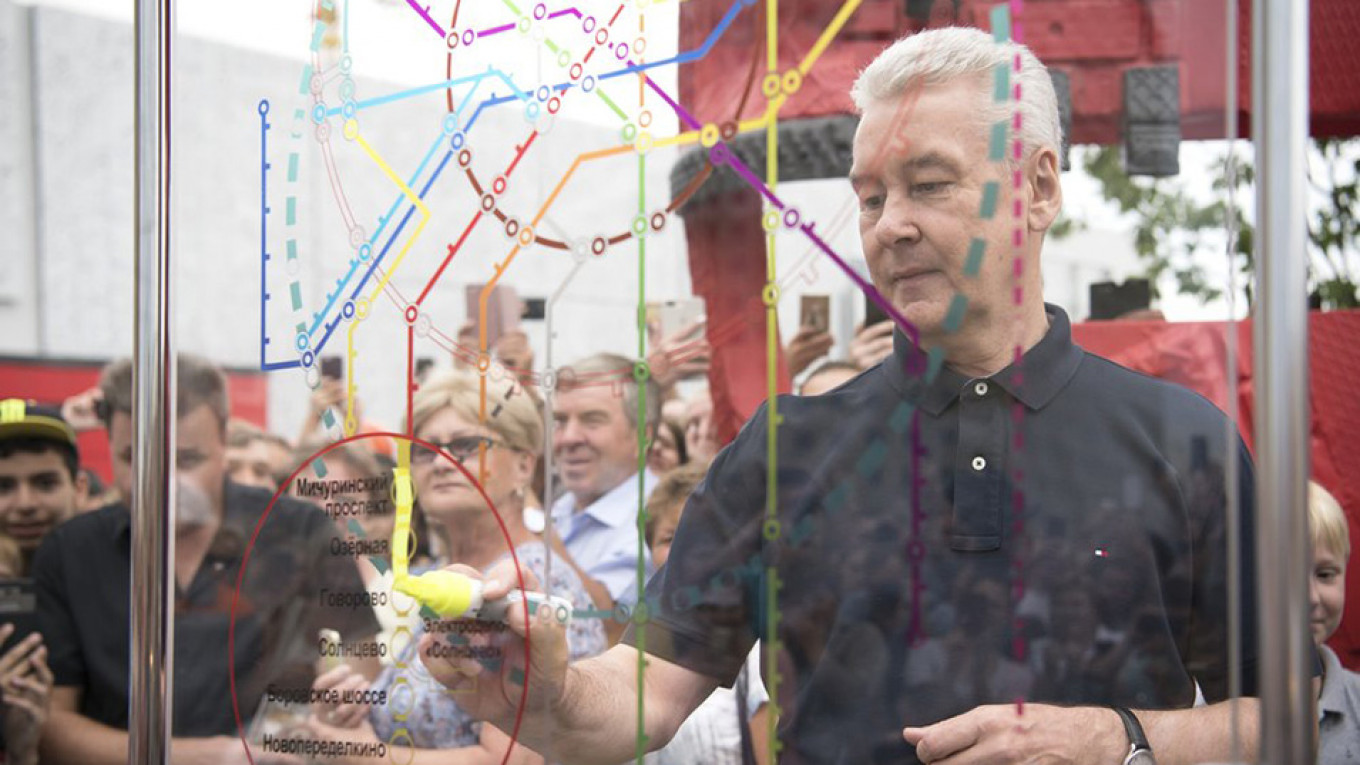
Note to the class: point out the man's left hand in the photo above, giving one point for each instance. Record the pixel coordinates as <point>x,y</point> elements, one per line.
<point>1029,733</point>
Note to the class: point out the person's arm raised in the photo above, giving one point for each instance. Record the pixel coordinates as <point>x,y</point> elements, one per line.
<point>582,713</point>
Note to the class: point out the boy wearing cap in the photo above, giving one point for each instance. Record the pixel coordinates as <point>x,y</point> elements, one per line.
<point>40,480</point>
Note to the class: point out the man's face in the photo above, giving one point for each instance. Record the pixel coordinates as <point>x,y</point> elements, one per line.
<point>1327,593</point>
<point>662,538</point>
<point>920,170</point>
<point>250,464</point>
<point>120,444</point>
<point>200,462</point>
<point>37,492</point>
<point>200,466</point>
<point>595,446</point>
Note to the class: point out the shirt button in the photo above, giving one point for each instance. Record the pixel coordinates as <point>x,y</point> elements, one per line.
<point>980,388</point>
<point>979,463</point>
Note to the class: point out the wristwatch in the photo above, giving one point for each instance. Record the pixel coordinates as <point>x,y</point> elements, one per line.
<point>1139,751</point>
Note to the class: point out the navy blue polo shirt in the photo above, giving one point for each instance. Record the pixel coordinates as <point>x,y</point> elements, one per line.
<point>1053,533</point>
<point>82,576</point>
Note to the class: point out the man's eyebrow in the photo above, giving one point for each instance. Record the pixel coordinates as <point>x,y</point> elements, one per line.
<point>932,160</point>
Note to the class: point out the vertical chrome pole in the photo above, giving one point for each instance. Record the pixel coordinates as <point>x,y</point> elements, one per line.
<point>1280,130</point>
<point>153,408</point>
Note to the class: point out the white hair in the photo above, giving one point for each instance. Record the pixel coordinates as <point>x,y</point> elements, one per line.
<point>939,56</point>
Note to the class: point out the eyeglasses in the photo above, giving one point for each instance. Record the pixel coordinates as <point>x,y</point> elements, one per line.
<point>459,448</point>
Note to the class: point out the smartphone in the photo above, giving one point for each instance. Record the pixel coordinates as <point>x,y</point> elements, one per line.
<point>1110,300</point>
<point>423,365</point>
<point>535,309</point>
<point>332,367</point>
<point>503,310</point>
<point>671,316</point>
<point>815,313</point>
<point>874,313</point>
<point>18,606</point>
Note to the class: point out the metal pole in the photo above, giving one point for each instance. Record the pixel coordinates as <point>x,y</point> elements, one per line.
<point>153,409</point>
<point>1280,132</point>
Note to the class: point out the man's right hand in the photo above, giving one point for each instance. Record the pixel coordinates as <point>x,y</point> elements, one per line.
<point>512,671</point>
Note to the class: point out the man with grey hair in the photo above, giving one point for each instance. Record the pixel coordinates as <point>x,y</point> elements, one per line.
<point>988,548</point>
<point>596,445</point>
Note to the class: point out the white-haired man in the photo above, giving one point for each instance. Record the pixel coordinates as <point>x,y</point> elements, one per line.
<point>986,560</point>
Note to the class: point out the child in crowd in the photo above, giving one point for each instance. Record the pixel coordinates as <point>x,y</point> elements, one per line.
<point>1339,699</point>
<point>731,726</point>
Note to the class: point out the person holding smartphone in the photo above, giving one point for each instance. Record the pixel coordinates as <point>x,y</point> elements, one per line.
<point>40,486</point>
<point>25,692</point>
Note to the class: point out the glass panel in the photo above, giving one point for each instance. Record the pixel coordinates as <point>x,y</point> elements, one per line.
<point>460,283</point>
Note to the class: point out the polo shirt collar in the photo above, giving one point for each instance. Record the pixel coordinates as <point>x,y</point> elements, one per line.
<point>1335,691</point>
<point>614,508</point>
<point>1035,380</point>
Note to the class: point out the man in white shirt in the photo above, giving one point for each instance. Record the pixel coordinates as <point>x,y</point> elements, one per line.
<point>598,446</point>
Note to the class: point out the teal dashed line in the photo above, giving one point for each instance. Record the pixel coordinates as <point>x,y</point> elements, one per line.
<point>801,531</point>
<point>379,563</point>
<point>973,265</point>
<point>1003,83</point>
<point>292,167</point>
<point>901,417</point>
<point>292,249</point>
<point>1001,22</point>
<point>319,467</point>
<point>996,148</point>
<point>328,4</point>
<point>934,363</point>
<point>355,528</point>
<point>318,30</point>
<point>295,290</point>
<point>837,496</point>
<point>328,418</point>
<point>305,86</point>
<point>957,308</point>
<point>301,327</point>
<point>872,458</point>
<point>517,676</point>
<point>291,216</point>
<point>299,115</point>
<point>990,191</point>
<point>591,613</point>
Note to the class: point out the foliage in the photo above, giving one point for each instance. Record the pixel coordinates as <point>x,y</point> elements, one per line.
<point>1175,233</point>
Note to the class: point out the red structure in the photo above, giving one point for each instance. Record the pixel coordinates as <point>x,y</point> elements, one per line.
<point>50,381</point>
<point>1092,41</point>
<point>1194,354</point>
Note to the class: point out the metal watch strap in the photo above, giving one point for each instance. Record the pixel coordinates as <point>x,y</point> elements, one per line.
<point>1137,739</point>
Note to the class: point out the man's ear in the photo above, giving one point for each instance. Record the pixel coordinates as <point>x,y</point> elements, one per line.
<point>1045,189</point>
<point>82,483</point>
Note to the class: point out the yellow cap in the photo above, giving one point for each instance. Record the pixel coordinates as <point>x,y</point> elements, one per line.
<point>447,593</point>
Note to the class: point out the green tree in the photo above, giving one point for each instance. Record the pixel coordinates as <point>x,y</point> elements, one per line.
<point>1175,233</point>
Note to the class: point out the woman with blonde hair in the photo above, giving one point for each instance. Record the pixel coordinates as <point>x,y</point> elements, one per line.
<point>500,452</point>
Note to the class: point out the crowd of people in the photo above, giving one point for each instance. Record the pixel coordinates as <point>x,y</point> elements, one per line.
<point>65,546</point>
<point>923,587</point>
